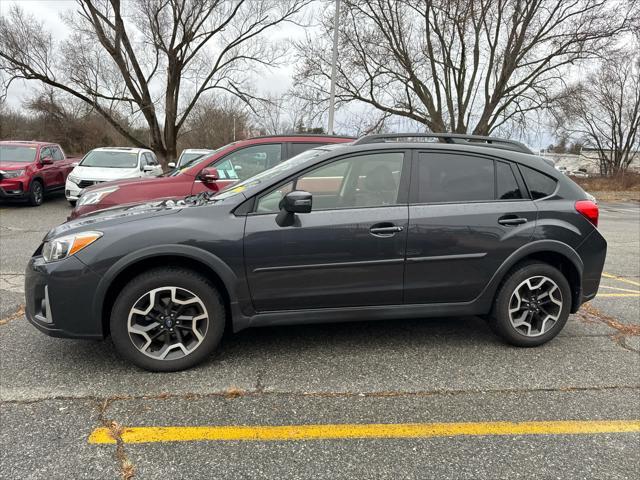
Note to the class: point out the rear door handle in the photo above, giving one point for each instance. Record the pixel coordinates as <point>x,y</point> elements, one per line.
<point>511,220</point>
<point>385,230</point>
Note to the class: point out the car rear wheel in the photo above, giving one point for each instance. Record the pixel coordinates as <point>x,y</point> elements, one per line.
<point>36,193</point>
<point>167,319</point>
<point>532,305</point>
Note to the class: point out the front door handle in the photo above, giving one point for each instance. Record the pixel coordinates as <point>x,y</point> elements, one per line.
<point>385,229</point>
<point>511,220</point>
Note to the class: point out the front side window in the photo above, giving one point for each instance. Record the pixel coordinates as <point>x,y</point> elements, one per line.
<point>371,180</point>
<point>250,161</point>
<point>452,178</point>
<point>539,184</point>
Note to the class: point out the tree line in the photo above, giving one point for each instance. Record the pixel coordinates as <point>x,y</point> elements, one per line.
<point>165,73</point>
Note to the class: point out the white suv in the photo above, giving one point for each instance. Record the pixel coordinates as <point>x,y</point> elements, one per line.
<point>110,163</point>
<point>189,154</point>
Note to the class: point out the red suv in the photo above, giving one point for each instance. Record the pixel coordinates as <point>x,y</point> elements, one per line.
<point>28,170</point>
<point>229,164</point>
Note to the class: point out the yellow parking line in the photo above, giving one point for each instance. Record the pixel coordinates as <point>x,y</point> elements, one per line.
<point>621,279</point>
<point>619,289</point>
<point>347,431</point>
<point>618,295</point>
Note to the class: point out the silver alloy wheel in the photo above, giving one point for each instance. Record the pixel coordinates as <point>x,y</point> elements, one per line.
<point>36,189</point>
<point>535,306</point>
<point>168,323</point>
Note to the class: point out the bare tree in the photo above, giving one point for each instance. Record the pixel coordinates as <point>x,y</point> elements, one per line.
<point>285,113</point>
<point>603,111</point>
<point>152,62</point>
<point>215,123</point>
<point>459,65</point>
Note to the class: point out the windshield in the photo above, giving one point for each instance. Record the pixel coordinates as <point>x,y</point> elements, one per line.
<point>13,153</point>
<point>187,164</point>
<point>276,171</point>
<point>107,159</point>
<point>186,158</point>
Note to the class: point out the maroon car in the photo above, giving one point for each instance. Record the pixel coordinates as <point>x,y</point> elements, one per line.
<point>29,170</point>
<point>234,162</point>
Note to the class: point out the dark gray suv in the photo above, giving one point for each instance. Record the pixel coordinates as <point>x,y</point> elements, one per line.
<point>386,227</point>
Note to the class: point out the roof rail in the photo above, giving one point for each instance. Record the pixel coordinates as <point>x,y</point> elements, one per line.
<point>319,135</point>
<point>457,138</point>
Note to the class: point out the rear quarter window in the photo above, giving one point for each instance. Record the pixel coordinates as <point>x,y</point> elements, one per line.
<point>539,184</point>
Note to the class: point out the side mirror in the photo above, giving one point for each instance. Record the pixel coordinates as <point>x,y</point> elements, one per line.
<point>148,168</point>
<point>297,202</point>
<point>171,164</point>
<point>209,175</point>
<point>46,160</point>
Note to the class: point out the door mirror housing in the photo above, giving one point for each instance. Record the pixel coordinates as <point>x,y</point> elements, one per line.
<point>46,160</point>
<point>297,202</point>
<point>209,175</point>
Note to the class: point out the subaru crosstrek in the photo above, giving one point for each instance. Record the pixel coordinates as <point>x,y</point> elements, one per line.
<point>377,229</point>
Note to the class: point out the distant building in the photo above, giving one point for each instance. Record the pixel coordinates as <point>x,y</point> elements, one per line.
<point>587,159</point>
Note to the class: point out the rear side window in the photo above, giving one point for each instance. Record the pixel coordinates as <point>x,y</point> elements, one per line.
<point>455,178</point>
<point>57,154</point>
<point>539,184</point>
<point>297,148</point>
<point>506,184</point>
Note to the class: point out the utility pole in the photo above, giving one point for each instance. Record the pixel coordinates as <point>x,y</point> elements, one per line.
<point>332,95</point>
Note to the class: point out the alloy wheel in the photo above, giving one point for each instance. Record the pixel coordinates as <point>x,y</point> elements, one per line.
<point>168,323</point>
<point>535,306</point>
<point>36,189</point>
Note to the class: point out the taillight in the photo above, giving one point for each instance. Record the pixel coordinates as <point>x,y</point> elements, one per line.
<point>589,210</point>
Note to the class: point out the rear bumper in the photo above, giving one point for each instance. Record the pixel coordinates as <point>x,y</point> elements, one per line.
<point>59,298</point>
<point>84,209</point>
<point>593,252</point>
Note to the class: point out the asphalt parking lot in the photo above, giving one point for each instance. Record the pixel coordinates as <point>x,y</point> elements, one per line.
<point>63,401</point>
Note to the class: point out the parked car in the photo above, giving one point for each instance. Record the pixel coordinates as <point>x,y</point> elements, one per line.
<point>229,164</point>
<point>373,230</point>
<point>110,163</point>
<point>188,155</point>
<point>29,170</point>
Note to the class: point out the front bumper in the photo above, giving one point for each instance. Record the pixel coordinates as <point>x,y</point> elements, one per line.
<point>59,298</point>
<point>13,189</point>
<point>72,191</point>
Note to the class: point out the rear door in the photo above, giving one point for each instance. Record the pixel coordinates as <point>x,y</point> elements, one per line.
<point>468,213</point>
<point>349,251</point>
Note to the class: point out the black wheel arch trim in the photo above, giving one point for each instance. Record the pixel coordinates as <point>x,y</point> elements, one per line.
<point>236,288</point>
<point>538,246</point>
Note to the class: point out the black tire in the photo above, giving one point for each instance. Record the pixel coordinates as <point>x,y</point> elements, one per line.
<point>36,193</point>
<point>72,203</point>
<point>500,320</point>
<point>157,278</point>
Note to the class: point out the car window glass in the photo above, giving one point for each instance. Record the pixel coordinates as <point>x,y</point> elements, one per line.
<point>506,182</point>
<point>454,178</point>
<point>247,162</point>
<point>370,180</point>
<point>297,148</point>
<point>46,153</point>
<point>57,154</point>
<point>539,184</point>
<point>149,158</point>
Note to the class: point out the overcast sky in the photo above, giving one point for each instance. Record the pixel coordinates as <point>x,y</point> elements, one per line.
<point>276,80</point>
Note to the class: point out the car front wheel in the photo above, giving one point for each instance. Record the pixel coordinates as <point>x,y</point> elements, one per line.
<point>167,319</point>
<point>532,305</point>
<point>36,193</point>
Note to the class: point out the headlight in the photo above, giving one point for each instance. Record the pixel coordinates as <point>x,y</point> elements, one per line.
<point>13,173</point>
<point>73,179</point>
<point>62,247</point>
<point>94,196</point>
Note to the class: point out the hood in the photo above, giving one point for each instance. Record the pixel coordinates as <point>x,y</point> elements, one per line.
<point>125,182</point>
<point>8,165</point>
<point>103,174</point>
<point>117,215</point>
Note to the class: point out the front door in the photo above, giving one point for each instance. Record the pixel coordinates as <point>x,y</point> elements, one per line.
<point>468,214</point>
<point>349,251</point>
